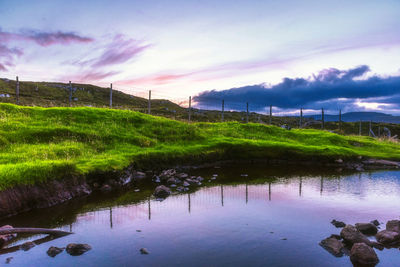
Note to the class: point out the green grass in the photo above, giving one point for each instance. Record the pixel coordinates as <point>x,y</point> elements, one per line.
<point>37,144</point>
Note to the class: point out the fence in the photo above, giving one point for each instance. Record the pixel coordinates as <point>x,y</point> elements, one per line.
<point>213,109</point>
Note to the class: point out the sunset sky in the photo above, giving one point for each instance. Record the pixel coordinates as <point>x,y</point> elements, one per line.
<point>288,53</point>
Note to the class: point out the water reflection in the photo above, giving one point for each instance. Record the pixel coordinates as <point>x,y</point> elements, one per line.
<point>227,222</point>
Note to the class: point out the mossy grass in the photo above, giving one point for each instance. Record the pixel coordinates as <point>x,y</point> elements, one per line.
<point>37,144</point>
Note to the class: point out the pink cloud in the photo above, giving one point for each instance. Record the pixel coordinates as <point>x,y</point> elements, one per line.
<point>45,38</point>
<point>89,76</point>
<point>7,56</point>
<point>119,51</point>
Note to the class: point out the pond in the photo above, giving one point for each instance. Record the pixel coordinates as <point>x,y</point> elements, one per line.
<point>251,215</point>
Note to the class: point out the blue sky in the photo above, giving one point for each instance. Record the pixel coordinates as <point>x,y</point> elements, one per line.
<point>182,48</point>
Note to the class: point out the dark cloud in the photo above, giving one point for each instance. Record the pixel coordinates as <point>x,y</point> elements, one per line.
<point>329,88</point>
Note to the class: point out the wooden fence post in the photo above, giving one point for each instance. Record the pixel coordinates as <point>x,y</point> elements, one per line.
<point>370,128</point>
<point>149,103</point>
<point>359,129</point>
<point>70,94</point>
<point>17,91</point>
<point>301,118</point>
<point>322,118</point>
<point>111,95</point>
<point>340,120</point>
<point>270,115</point>
<point>223,107</point>
<point>190,106</point>
<point>247,112</point>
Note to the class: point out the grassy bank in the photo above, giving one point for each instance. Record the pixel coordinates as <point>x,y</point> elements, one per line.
<point>44,143</point>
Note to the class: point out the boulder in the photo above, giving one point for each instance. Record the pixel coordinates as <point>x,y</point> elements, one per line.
<point>351,235</point>
<point>183,175</point>
<point>367,228</point>
<point>393,225</point>
<point>338,224</point>
<point>171,180</point>
<point>375,222</point>
<point>333,246</point>
<point>162,191</point>
<point>338,237</point>
<point>387,237</point>
<point>77,249</point>
<point>185,184</point>
<point>8,260</point>
<point>27,246</point>
<point>54,251</point>
<point>166,174</point>
<point>364,255</point>
<point>144,251</point>
<point>138,175</point>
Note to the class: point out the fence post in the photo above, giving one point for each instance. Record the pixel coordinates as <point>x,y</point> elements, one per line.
<point>149,103</point>
<point>359,129</point>
<point>70,94</point>
<point>379,131</point>
<point>370,127</point>
<point>17,91</point>
<point>247,112</point>
<point>340,120</point>
<point>322,119</point>
<point>223,107</point>
<point>190,106</point>
<point>270,115</point>
<point>110,95</point>
<point>301,117</point>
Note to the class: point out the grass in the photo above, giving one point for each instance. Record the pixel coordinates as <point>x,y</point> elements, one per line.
<point>37,144</point>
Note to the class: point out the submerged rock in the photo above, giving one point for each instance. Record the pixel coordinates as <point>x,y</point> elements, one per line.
<point>106,188</point>
<point>186,184</point>
<point>8,260</point>
<point>387,237</point>
<point>5,238</point>
<point>162,191</point>
<point>367,228</point>
<point>338,224</point>
<point>138,175</point>
<point>27,246</point>
<point>363,255</point>
<point>144,251</point>
<point>77,249</point>
<point>54,251</point>
<point>351,235</point>
<point>333,246</point>
<point>393,225</point>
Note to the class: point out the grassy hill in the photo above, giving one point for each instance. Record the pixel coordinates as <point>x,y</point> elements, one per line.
<point>46,143</point>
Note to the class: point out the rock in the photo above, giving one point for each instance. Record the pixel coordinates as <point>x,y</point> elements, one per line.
<point>244,175</point>
<point>171,180</point>
<point>200,179</point>
<point>106,188</point>
<point>185,184</point>
<point>333,246</point>
<point>375,222</point>
<point>338,237</point>
<point>367,228</point>
<point>180,189</point>
<point>27,246</point>
<point>351,235</point>
<point>166,174</point>
<point>363,255</point>
<point>54,251</point>
<point>183,175</point>
<point>173,185</point>
<point>338,224</point>
<point>215,175</point>
<point>144,251</point>
<point>138,175</point>
<point>393,225</point>
<point>8,260</point>
<point>5,238</point>
<point>340,161</point>
<point>77,249</point>
<point>377,245</point>
<point>387,237</point>
<point>156,179</point>
<point>162,191</point>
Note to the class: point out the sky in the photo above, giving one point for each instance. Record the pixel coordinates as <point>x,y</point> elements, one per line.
<point>290,53</point>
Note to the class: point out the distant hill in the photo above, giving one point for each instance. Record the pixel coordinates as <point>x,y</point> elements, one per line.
<point>357,116</point>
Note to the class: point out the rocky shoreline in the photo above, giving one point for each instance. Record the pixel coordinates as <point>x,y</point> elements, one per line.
<point>24,198</point>
<point>354,241</point>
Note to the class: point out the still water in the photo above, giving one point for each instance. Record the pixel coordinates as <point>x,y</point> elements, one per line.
<point>271,217</point>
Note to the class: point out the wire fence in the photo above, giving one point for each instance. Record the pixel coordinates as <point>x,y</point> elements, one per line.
<point>51,94</point>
